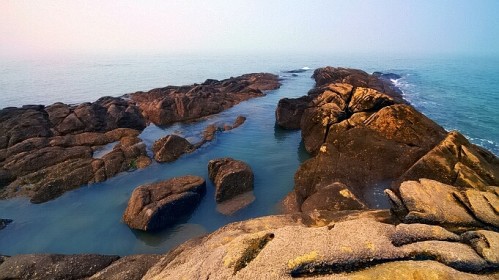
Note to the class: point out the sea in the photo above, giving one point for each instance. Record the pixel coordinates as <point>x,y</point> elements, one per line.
<point>458,92</point>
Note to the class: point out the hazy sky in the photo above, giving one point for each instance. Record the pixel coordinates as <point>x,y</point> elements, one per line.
<point>384,26</point>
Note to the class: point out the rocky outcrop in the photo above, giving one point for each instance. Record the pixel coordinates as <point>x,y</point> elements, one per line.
<point>4,223</point>
<point>363,134</point>
<point>48,150</point>
<point>159,205</point>
<point>43,169</point>
<point>173,104</point>
<point>360,244</point>
<point>170,148</point>
<point>231,177</point>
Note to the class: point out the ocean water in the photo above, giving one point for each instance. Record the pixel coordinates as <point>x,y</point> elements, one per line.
<point>458,92</point>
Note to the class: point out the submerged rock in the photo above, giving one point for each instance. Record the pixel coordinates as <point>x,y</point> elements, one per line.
<point>159,205</point>
<point>231,177</point>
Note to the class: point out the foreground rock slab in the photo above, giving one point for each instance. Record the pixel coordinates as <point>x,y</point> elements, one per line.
<point>359,245</point>
<point>159,205</point>
<point>231,177</point>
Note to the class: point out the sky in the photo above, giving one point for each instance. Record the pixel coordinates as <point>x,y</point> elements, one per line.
<point>52,27</point>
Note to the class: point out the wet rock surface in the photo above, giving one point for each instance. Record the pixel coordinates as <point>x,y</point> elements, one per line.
<point>231,177</point>
<point>159,205</point>
<point>48,150</point>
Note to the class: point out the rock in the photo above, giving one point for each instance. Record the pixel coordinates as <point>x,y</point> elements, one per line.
<point>158,205</point>
<point>52,266</point>
<point>334,197</point>
<point>432,202</point>
<point>455,161</point>
<point>4,223</point>
<point>231,177</point>
<point>170,148</point>
<point>172,104</point>
<point>486,243</point>
<point>290,110</point>
<point>132,267</point>
<point>367,99</point>
<point>361,133</point>
<point>356,247</point>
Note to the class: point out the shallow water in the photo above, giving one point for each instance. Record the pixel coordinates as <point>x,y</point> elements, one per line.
<point>459,93</point>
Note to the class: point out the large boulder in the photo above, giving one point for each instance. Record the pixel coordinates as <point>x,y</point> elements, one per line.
<point>170,148</point>
<point>231,177</point>
<point>53,266</point>
<point>158,205</point>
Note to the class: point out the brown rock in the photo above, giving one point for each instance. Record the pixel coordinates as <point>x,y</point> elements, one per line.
<point>172,104</point>
<point>455,161</point>
<point>158,205</point>
<point>170,148</point>
<point>231,177</point>
<point>290,110</point>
